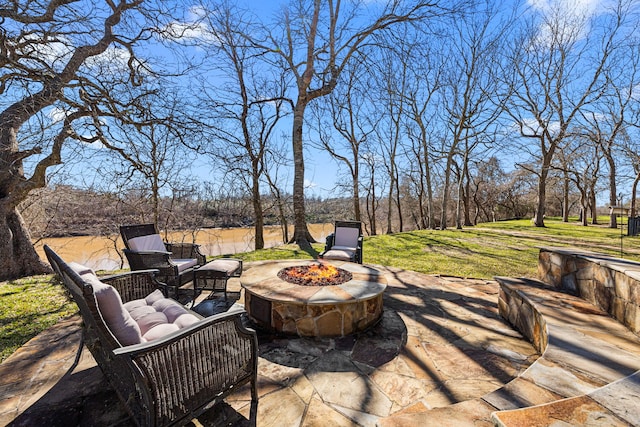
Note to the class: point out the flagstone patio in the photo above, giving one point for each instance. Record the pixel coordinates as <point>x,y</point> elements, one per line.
<point>439,348</point>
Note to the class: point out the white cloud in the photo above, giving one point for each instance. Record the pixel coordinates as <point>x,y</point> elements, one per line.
<point>194,28</point>
<point>635,92</point>
<point>566,18</point>
<point>53,53</point>
<point>189,31</point>
<point>531,126</point>
<point>197,13</point>
<point>114,60</point>
<point>57,114</point>
<point>309,184</point>
<point>570,7</point>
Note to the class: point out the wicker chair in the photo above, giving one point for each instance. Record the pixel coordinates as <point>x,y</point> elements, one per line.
<point>345,243</point>
<point>176,262</point>
<point>172,379</point>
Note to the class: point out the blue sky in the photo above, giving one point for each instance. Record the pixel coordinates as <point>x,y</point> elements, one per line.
<point>322,172</point>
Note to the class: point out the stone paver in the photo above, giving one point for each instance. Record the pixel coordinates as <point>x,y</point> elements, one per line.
<point>439,347</point>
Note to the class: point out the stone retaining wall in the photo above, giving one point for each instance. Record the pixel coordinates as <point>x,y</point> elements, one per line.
<point>520,312</point>
<point>611,283</point>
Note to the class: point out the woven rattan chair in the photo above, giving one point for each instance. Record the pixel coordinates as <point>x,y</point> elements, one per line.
<point>176,262</point>
<point>345,243</point>
<point>172,379</point>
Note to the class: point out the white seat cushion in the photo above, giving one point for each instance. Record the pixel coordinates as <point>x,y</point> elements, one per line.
<point>341,255</point>
<point>158,316</point>
<point>344,248</point>
<point>228,266</point>
<point>184,264</point>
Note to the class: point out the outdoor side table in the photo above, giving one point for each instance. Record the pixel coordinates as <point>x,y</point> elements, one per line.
<point>214,275</point>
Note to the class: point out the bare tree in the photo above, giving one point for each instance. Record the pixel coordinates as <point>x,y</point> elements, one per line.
<point>372,198</point>
<point>281,200</point>
<point>54,71</point>
<point>608,122</point>
<point>392,75</point>
<point>472,97</point>
<point>148,143</point>
<point>352,121</point>
<point>558,65</point>
<point>317,39</point>
<point>421,93</point>
<point>244,109</point>
<point>580,161</point>
<point>486,188</point>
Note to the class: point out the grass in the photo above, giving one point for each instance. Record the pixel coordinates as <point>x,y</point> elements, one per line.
<point>506,248</point>
<point>28,307</point>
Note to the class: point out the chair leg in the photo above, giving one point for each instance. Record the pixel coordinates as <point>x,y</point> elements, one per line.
<point>78,354</point>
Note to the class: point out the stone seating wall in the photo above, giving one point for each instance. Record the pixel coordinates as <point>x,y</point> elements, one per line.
<point>582,318</point>
<point>611,283</point>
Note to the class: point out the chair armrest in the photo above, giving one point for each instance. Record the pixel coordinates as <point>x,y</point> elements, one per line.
<point>148,259</point>
<point>135,284</point>
<point>207,359</point>
<point>329,242</point>
<point>164,253</point>
<point>186,251</point>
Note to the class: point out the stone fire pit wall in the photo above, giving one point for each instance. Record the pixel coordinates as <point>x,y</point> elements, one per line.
<point>322,319</point>
<point>611,283</point>
<point>313,311</point>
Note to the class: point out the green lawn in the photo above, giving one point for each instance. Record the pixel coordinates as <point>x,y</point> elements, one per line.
<point>506,248</point>
<point>27,307</point>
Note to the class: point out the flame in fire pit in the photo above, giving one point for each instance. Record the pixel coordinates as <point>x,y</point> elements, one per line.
<point>315,275</point>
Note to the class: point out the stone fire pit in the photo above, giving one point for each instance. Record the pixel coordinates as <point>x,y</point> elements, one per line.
<point>313,311</point>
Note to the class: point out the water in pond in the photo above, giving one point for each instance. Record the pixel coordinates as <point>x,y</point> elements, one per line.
<point>99,252</point>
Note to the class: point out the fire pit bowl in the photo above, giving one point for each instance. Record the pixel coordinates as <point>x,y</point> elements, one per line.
<point>318,274</point>
<point>328,299</point>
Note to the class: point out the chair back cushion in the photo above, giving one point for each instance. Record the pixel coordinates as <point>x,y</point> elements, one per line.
<point>81,269</point>
<point>346,237</point>
<point>150,242</point>
<point>117,318</point>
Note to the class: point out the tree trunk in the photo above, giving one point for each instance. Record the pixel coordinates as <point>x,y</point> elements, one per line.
<point>459,205</point>
<point>613,221</point>
<point>430,207</point>
<point>584,202</point>
<point>538,220</point>
<point>356,194</point>
<point>445,190</point>
<point>592,204</point>
<point>18,256</point>
<point>257,209</point>
<point>423,211</point>
<point>390,199</point>
<point>301,234</point>
<point>399,205</point>
<point>634,187</point>
<point>565,199</point>
<point>371,207</point>
<point>466,193</point>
